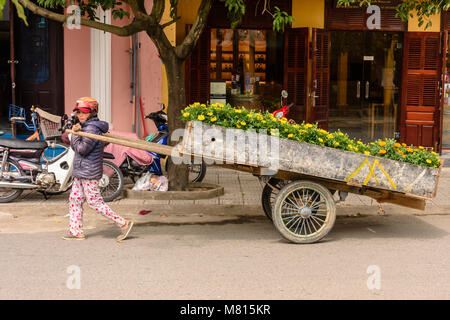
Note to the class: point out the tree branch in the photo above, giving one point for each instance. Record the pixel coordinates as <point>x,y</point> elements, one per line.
<point>184,49</point>
<point>170,22</point>
<point>132,28</point>
<point>158,9</point>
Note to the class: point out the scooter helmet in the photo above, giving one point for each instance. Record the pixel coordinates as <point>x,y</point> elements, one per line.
<point>86,104</point>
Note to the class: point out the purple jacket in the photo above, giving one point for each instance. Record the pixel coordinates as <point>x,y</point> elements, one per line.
<point>88,162</point>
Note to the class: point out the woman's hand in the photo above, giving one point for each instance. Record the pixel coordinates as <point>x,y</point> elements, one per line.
<point>76,127</point>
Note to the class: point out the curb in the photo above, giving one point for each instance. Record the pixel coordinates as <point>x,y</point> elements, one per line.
<point>195,191</point>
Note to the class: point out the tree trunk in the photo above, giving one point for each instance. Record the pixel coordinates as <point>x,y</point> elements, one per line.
<point>178,174</point>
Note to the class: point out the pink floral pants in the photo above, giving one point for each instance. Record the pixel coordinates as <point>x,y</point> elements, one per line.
<point>88,190</point>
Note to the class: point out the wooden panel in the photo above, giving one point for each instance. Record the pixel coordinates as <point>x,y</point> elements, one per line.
<point>320,78</point>
<point>197,70</point>
<point>420,89</point>
<point>296,48</point>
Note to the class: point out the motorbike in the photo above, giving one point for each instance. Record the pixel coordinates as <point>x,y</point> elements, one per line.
<point>21,169</point>
<point>131,168</point>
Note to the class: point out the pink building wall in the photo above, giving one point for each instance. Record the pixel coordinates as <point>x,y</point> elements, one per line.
<point>77,68</point>
<point>77,75</point>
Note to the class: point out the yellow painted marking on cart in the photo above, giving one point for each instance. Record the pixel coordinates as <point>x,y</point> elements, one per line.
<point>371,172</point>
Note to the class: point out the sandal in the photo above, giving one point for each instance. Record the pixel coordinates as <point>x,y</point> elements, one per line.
<point>72,237</point>
<point>125,231</point>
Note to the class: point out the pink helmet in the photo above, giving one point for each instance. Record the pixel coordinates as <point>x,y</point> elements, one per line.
<point>86,104</point>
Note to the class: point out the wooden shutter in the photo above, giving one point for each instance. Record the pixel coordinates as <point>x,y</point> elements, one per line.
<point>320,77</point>
<point>197,77</point>
<point>420,89</point>
<point>296,49</point>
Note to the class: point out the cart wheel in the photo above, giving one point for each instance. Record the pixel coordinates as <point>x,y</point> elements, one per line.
<point>269,194</point>
<point>304,212</point>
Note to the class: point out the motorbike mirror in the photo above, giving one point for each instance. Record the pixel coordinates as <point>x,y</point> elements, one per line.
<point>284,94</point>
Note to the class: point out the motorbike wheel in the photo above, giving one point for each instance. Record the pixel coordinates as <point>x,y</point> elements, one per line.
<point>111,183</point>
<point>12,169</point>
<point>197,172</point>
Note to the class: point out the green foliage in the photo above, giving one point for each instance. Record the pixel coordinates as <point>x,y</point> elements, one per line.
<point>281,19</point>
<point>2,5</point>
<point>241,118</point>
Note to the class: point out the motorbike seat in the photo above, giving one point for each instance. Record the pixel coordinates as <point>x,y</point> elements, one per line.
<point>22,144</point>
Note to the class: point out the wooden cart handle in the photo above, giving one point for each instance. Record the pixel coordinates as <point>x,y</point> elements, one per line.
<point>127,142</point>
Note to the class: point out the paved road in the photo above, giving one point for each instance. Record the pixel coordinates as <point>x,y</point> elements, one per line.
<point>229,252</point>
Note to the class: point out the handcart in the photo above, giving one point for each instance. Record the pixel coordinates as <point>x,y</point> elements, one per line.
<point>298,192</point>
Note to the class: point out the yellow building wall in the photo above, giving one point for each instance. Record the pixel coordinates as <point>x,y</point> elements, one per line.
<point>413,24</point>
<point>308,13</point>
<point>170,32</point>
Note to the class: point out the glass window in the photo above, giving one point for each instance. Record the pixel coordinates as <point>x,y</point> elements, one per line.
<point>251,64</point>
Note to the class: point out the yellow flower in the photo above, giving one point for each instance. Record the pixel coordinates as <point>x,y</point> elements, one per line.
<point>330,136</point>
<point>382,143</point>
<point>323,131</point>
<point>398,145</point>
<point>308,125</point>
<point>350,146</point>
<point>283,120</point>
<point>263,121</point>
<point>382,151</point>
<point>243,123</point>
<point>336,144</point>
<point>213,119</point>
<point>186,114</point>
<point>238,126</point>
<point>203,105</point>
<point>238,110</point>
<point>290,135</point>
<point>320,140</point>
<point>210,113</point>
<point>421,148</point>
<point>409,150</point>
<point>367,152</point>
<point>341,134</point>
<point>404,144</point>
<point>201,117</point>
<point>428,161</point>
<point>359,142</point>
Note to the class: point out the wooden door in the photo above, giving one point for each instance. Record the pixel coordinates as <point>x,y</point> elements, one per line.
<point>40,69</point>
<point>296,54</point>
<point>420,116</point>
<point>197,69</point>
<point>320,77</point>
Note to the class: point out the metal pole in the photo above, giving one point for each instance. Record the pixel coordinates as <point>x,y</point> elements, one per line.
<point>13,61</point>
<point>138,86</point>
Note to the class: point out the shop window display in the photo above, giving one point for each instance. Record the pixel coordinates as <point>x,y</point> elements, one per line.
<point>251,64</point>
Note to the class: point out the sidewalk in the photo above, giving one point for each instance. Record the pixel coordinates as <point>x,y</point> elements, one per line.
<point>240,203</point>
<point>242,189</point>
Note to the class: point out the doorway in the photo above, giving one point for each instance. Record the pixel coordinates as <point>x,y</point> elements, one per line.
<point>31,64</point>
<point>365,78</point>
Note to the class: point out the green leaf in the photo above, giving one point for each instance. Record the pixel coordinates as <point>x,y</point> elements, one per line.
<point>2,5</point>
<point>20,11</point>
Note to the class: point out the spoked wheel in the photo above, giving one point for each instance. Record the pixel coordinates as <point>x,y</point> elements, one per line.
<point>269,194</point>
<point>11,171</point>
<point>304,212</point>
<point>111,183</point>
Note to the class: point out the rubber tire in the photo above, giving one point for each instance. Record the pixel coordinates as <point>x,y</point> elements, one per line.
<point>17,192</point>
<point>121,182</point>
<point>267,193</point>
<point>329,220</point>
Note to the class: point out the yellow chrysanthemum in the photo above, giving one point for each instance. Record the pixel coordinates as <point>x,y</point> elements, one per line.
<point>398,145</point>
<point>243,123</point>
<point>367,152</point>
<point>359,142</point>
<point>428,161</point>
<point>382,143</point>
<point>382,151</point>
<point>210,113</point>
<point>320,140</point>
<point>213,119</point>
<point>341,134</point>
<point>290,135</point>
<point>336,144</point>
<point>201,117</point>
<point>238,110</point>
<point>186,114</point>
<point>409,150</point>
<point>330,136</point>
